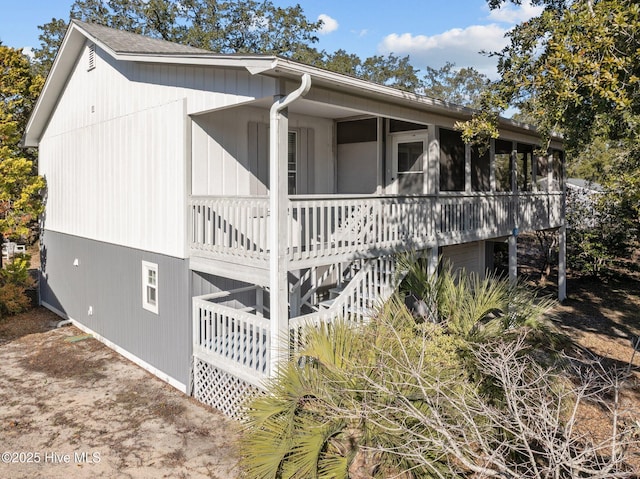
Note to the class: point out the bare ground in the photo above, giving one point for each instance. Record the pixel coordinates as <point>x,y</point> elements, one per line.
<point>66,397</point>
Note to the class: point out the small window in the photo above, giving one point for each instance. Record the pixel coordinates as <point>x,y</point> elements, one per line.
<point>92,57</point>
<point>150,286</point>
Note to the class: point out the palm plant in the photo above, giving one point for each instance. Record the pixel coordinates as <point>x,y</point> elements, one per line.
<point>471,307</point>
<point>315,420</point>
<point>291,431</point>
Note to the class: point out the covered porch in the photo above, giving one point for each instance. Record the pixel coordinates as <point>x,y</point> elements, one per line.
<point>315,190</point>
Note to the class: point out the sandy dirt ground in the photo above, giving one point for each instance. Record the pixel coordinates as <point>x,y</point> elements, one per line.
<point>72,408</point>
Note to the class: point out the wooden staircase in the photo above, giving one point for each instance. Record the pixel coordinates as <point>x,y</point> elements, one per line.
<point>366,284</point>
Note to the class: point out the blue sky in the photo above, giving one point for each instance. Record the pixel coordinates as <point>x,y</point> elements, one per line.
<point>430,31</point>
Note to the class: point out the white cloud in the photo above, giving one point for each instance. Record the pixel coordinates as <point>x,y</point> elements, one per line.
<point>28,51</point>
<point>461,46</point>
<point>513,14</point>
<point>328,24</point>
<point>458,45</point>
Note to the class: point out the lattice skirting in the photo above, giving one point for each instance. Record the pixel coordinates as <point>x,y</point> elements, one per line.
<point>220,389</point>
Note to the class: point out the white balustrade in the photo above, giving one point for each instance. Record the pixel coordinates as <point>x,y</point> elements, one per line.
<point>369,288</point>
<point>230,226</point>
<point>236,340</point>
<point>323,228</point>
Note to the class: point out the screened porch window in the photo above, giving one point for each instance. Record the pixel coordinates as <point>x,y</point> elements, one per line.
<point>452,160</point>
<point>480,169</point>
<point>503,165</point>
<point>525,166</point>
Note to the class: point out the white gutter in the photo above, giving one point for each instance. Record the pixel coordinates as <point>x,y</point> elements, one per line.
<point>278,225</point>
<point>285,101</point>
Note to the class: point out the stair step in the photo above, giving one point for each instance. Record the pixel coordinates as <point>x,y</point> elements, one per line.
<point>336,291</point>
<point>326,304</point>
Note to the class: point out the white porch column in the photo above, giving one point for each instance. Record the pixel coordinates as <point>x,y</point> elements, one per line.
<point>278,198</point>
<point>278,223</point>
<point>432,258</point>
<point>562,263</point>
<point>513,257</point>
<point>380,157</point>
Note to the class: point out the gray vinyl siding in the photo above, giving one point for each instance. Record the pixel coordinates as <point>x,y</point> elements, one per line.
<point>108,279</point>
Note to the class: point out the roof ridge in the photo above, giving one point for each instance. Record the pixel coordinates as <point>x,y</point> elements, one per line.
<point>123,41</point>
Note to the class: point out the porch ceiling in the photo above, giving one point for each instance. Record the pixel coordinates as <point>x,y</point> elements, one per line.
<point>307,107</point>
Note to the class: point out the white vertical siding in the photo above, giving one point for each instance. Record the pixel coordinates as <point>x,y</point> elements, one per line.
<point>113,152</point>
<point>107,183</point>
<point>321,163</point>
<point>221,156</point>
<point>469,256</point>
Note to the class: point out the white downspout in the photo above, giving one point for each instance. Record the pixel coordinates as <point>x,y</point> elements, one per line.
<point>278,224</point>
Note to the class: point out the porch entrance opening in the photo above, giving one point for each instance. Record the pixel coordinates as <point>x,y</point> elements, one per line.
<point>409,155</point>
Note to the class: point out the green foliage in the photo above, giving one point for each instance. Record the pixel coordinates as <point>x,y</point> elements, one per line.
<point>13,300</point>
<point>17,271</point>
<point>14,280</point>
<point>247,26</point>
<point>575,70</point>
<point>470,307</point>
<point>599,230</point>
<point>20,197</point>
<point>316,419</point>
<point>462,86</point>
<point>19,89</point>
<point>293,431</point>
<point>51,36</point>
<point>310,424</point>
<point>20,186</point>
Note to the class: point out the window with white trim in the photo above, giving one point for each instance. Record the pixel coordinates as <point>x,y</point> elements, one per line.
<point>150,286</point>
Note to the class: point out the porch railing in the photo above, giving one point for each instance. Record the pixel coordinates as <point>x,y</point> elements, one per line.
<point>230,226</point>
<point>490,215</point>
<point>369,288</point>
<point>330,226</point>
<point>327,227</point>
<point>235,339</point>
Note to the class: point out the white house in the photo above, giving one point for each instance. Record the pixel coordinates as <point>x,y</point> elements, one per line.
<point>201,207</point>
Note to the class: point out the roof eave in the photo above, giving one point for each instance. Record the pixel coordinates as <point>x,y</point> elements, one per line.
<point>433,105</point>
<point>63,63</point>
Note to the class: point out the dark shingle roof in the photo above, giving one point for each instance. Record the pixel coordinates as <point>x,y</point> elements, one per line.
<point>126,42</point>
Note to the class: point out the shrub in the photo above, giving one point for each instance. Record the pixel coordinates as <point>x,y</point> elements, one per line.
<point>14,281</point>
<point>13,300</point>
